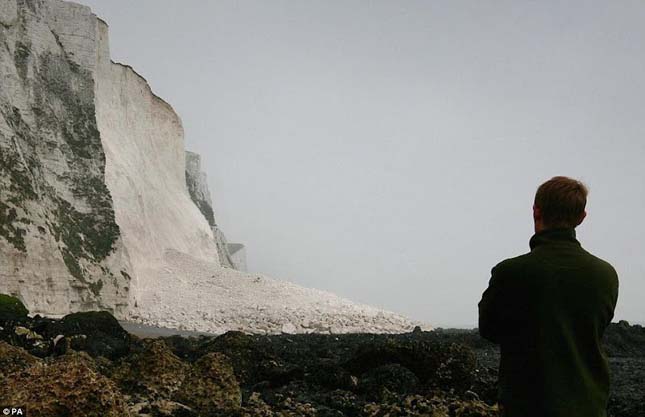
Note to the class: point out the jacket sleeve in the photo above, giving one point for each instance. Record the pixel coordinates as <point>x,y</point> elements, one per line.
<point>614,294</point>
<point>490,315</point>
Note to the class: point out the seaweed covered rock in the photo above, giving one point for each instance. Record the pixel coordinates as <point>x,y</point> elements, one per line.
<point>425,406</point>
<point>257,406</point>
<point>96,332</point>
<point>210,386</point>
<point>187,348</point>
<point>252,358</point>
<point>21,334</point>
<point>154,371</point>
<point>436,364</point>
<point>378,382</point>
<point>14,359</point>
<point>12,309</point>
<point>66,386</point>
<point>329,374</point>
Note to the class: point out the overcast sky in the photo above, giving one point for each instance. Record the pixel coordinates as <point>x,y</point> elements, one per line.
<point>389,151</point>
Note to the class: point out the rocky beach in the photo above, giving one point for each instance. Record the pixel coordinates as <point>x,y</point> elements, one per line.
<point>86,364</point>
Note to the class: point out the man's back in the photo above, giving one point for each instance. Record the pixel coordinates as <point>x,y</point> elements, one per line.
<point>548,310</point>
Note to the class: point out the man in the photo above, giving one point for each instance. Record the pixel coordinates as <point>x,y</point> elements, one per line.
<point>548,310</point>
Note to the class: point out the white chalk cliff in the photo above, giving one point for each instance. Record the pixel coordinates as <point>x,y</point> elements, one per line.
<point>99,208</point>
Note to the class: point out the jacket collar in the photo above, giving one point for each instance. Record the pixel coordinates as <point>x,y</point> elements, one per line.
<point>553,235</point>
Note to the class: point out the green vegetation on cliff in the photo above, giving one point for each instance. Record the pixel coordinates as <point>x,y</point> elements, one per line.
<point>11,308</point>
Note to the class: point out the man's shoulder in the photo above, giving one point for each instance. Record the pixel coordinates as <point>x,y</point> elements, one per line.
<point>601,264</point>
<point>532,260</point>
<point>512,265</point>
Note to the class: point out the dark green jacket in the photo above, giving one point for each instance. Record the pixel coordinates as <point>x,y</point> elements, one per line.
<point>548,310</point>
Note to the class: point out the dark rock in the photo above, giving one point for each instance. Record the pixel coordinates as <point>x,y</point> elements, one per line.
<point>278,374</point>
<point>22,333</point>
<point>447,365</point>
<point>627,395</point>
<point>96,332</point>
<point>187,348</point>
<point>387,378</point>
<point>624,340</point>
<point>457,369</point>
<point>485,385</point>
<point>329,374</point>
<point>252,358</point>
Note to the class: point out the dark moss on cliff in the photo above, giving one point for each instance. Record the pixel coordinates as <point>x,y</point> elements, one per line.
<point>72,265</point>
<point>13,166</point>
<point>8,229</point>
<point>89,236</point>
<point>62,107</point>
<point>11,308</point>
<point>21,58</point>
<point>95,287</point>
<point>72,88</point>
<point>65,105</point>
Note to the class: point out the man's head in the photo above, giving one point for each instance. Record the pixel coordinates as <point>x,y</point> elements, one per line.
<point>559,202</point>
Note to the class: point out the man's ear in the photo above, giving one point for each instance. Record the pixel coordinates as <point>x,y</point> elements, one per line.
<point>582,217</point>
<point>537,214</point>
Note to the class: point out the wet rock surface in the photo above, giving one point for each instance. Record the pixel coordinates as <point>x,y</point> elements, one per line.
<point>440,373</point>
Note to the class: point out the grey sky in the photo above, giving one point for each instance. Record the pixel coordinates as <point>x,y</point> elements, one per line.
<point>389,151</point>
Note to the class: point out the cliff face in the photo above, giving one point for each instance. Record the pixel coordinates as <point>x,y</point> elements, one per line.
<point>231,255</point>
<point>143,140</point>
<point>59,239</point>
<point>92,163</point>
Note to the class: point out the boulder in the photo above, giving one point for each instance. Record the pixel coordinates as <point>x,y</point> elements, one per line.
<point>67,386</point>
<point>436,364</point>
<point>253,359</point>
<point>96,332</point>
<point>211,387</point>
<point>154,371</point>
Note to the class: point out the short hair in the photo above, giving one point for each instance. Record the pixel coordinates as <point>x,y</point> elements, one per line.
<point>561,201</point>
